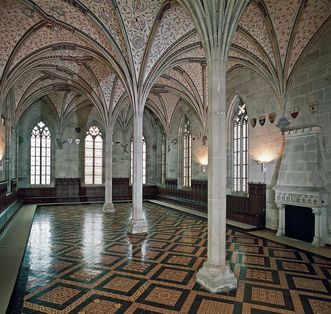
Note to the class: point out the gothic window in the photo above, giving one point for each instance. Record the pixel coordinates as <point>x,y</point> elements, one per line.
<point>240,148</point>
<point>163,159</point>
<point>187,154</point>
<point>40,155</point>
<point>144,161</point>
<point>93,156</point>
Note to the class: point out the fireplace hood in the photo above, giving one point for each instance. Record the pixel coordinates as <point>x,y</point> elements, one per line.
<point>300,180</point>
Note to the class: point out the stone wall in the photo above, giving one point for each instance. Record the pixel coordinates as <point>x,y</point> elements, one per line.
<point>260,101</point>
<point>311,85</point>
<point>199,150</point>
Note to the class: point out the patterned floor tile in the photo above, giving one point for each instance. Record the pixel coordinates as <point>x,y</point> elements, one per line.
<point>57,296</point>
<point>170,298</point>
<point>120,284</point>
<point>87,263</point>
<point>173,275</point>
<point>98,304</point>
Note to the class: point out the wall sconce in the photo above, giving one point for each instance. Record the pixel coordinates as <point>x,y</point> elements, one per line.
<point>203,167</point>
<point>3,119</point>
<point>2,162</point>
<point>262,164</point>
<point>204,140</point>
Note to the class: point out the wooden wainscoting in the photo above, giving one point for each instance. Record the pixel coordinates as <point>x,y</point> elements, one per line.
<point>70,190</point>
<point>249,209</point>
<point>7,199</point>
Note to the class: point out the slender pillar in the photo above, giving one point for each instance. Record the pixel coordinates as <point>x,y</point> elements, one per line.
<point>317,241</point>
<point>108,206</point>
<point>281,220</point>
<point>137,222</point>
<point>216,275</point>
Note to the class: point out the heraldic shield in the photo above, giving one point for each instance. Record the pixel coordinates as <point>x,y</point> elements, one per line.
<point>262,120</point>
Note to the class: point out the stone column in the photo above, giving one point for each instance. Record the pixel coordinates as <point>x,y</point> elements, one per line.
<point>216,275</point>
<point>281,221</point>
<point>318,237</point>
<point>108,206</point>
<point>137,222</point>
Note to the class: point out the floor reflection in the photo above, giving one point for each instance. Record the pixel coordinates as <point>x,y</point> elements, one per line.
<point>83,261</point>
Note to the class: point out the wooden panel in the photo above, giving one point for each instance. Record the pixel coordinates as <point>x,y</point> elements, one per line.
<point>66,191</point>
<point>250,210</point>
<point>3,191</point>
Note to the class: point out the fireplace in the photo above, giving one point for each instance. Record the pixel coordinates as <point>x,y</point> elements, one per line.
<point>299,223</point>
<point>300,192</point>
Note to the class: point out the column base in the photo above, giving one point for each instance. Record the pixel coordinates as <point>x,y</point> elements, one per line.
<point>316,242</point>
<point>280,233</point>
<point>137,226</point>
<point>216,278</point>
<point>108,208</point>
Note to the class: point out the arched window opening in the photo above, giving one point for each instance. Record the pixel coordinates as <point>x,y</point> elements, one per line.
<point>93,156</point>
<point>240,148</point>
<point>144,161</point>
<point>187,154</point>
<point>40,155</point>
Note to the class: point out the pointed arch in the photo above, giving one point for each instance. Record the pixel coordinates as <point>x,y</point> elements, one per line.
<point>93,165</point>
<point>185,153</point>
<point>238,139</point>
<point>40,154</point>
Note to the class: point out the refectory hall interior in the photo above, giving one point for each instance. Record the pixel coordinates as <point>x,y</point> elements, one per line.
<point>165,156</point>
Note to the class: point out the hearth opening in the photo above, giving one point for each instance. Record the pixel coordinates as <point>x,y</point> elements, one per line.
<point>299,223</point>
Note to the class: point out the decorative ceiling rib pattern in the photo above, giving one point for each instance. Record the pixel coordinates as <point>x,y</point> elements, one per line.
<point>138,18</point>
<point>175,24</point>
<point>106,12</point>
<point>254,22</point>
<point>315,13</point>
<point>45,36</point>
<point>73,16</point>
<point>282,14</point>
<point>107,49</point>
<point>15,20</point>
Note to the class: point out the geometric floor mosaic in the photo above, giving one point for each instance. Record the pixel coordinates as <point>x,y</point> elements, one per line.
<point>79,260</point>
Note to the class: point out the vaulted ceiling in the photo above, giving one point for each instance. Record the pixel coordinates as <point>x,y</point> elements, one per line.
<point>76,53</point>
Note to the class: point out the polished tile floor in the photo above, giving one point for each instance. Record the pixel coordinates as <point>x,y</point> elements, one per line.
<point>79,260</point>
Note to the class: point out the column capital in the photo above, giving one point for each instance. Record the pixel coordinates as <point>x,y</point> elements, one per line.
<point>317,211</point>
<point>280,206</point>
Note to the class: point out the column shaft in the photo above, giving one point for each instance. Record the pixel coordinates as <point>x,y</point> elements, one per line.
<point>317,236</point>
<point>137,223</point>
<point>281,220</point>
<point>108,206</point>
<point>215,274</point>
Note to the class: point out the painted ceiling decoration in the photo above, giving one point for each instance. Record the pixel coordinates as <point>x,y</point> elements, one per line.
<point>103,53</point>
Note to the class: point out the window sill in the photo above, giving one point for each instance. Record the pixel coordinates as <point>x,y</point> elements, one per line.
<point>241,194</point>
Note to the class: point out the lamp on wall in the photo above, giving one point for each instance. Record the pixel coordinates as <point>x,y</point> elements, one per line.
<point>2,162</point>
<point>3,119</point>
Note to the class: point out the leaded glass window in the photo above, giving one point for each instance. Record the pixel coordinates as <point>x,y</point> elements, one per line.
<point>93,156</point>
<point>40,155</point>
<point>187,154</point>
<point>240,149</point>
